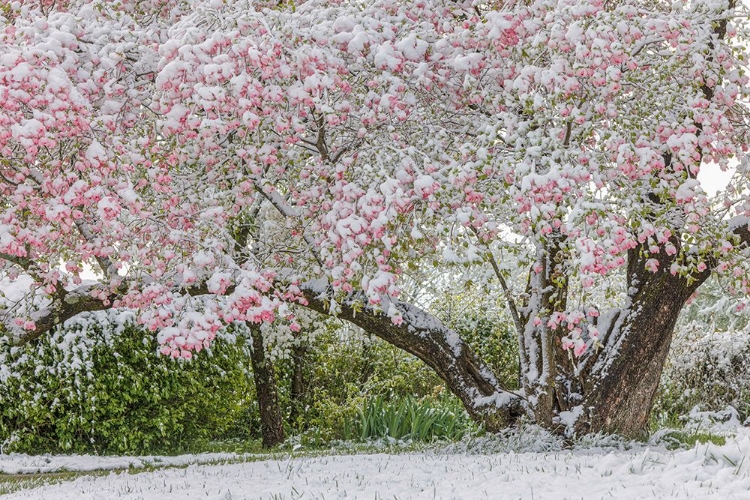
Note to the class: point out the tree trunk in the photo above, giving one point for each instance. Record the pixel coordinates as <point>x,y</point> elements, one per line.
<point>271,423</point>
<point>611,388</point>
<point>622,386</point>
<point>621,382</point>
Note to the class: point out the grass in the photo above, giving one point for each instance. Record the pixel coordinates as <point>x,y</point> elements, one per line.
<point>421,421</point>
<point>674,438</point>
<point>10,483</point>
<point>223,446</point>
<point>671,429</point>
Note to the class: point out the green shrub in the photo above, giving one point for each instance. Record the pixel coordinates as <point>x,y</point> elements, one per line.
<point>100,386</point>
<point>494,341</point>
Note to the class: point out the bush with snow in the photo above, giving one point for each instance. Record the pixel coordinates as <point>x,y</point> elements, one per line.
<point>706,372</point>
<point>99,385</point>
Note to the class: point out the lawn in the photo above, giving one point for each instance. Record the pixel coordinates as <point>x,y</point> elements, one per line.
<point>479,469</point>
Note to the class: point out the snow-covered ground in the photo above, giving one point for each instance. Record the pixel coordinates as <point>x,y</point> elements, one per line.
<point>704,472</point>
<point>17,463</point>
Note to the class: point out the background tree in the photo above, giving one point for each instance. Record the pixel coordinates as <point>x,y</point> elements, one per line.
<point>556,144</point>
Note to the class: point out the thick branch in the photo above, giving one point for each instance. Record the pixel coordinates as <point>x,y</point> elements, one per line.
<point>65,305</point>
<point>739,227</point>
<point>424,336</point>
<point>21,262</point>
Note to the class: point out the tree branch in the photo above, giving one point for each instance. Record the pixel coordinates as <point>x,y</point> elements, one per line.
<point>441,348</point>
<point>287,211</point>
<point>65,305</point>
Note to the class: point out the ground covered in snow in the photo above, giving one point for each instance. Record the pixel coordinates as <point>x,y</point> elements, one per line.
<point>17,463</point>
<point>706,471</point>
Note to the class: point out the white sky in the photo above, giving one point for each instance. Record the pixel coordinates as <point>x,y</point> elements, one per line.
<point>713,180</point>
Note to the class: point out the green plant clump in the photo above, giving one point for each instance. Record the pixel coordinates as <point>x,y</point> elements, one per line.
<point>99,385</point>
<point>410,419</point>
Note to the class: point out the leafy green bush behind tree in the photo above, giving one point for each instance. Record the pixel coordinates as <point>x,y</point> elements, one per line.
<point>355,383</point>
<point>99,385</point>
<point>342,370</point>
<point>495,342</point>
<point>709,363</point>
<point>706,371</point>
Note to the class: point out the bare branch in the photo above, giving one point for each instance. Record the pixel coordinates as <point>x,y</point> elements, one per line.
<point>108,269</point>
<point>287,211</point>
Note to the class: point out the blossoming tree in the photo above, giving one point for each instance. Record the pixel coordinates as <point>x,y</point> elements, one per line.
<point>224,161</point>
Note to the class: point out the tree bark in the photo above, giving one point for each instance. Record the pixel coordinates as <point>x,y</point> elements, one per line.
<point>271,422</point>
<point>621,382</point>
<point>539,344</point>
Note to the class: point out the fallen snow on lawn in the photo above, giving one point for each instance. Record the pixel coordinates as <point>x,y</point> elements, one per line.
<point>17,463</point>
<point>706,472</point>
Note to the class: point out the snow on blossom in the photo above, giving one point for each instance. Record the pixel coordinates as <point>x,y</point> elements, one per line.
<point>341,143</point>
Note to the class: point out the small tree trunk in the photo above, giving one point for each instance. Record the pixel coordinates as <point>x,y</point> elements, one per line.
<point>271,423</point>
<point>542,358</point>
<point>368,364</point>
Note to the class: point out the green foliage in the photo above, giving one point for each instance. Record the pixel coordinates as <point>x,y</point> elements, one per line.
<point>675,439</point>
<point>706,371</point>
<point>485,324</point>
<point>495,343</point>
<point>409,418</point>
<point>343,372</point>
<point>98,386</point>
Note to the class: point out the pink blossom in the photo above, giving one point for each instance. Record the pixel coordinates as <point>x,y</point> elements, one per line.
<point>580,348</point>
<point>347,145</point>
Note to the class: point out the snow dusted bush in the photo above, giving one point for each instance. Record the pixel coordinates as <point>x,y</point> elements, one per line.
<point>705,372</point>
<point>99,385</point>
